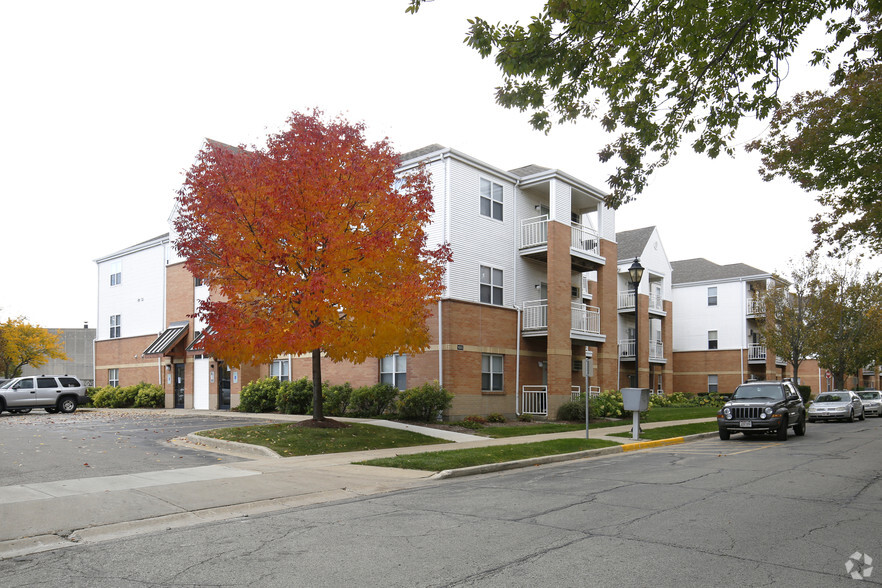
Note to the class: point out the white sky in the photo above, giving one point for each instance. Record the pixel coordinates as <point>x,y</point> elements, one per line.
<point>103,105</point>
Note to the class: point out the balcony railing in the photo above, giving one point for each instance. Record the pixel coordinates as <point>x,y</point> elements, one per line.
<point>656,302</point>
<point>627,348</point>
<point>583,318</point>
<point>534,400</point>
<point>625,299</point>
<point>576,394</point>
<point>534,233</point>
<point>656,350</point>
<point>756,352</point>
<point>755,307</point>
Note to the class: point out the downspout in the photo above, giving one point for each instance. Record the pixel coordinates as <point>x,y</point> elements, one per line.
<point>517,308</point>
<point>444,235</point>
<point>743,330</point>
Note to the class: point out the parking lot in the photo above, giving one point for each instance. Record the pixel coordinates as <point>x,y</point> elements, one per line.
<point>42,447</point>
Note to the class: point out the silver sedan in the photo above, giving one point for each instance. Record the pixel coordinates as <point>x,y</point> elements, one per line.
<point>872,401</point>
<point>839,404</point>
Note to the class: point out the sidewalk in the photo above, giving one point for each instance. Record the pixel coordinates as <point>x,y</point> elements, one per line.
<point>45,516</point>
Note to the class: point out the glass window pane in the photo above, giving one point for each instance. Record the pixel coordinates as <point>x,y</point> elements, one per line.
<point>497,210</point>
<point>485,363</point>
<point>485,188</point>
<point>485,207</point>
<point>401,364</point>
<point>497,363</point>
<point>387,379</point>
<point>497,382</point>
<point>497,277</point>
<point>401,381</point>
<point>485,294</point>
<point>387,365</point>
<point>497,296</point>
<point>485,382</point>
<point>497,193</point>
<point>485,274</point>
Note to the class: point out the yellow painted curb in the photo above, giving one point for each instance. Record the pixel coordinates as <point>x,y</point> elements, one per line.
<point>648,444</point>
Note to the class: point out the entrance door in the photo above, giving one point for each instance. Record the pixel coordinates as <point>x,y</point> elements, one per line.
<point>179,385</point>
<point>223,392</point>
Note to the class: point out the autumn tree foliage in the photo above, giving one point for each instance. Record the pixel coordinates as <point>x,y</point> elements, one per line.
<point>22,343</point>
<point>312,245</point>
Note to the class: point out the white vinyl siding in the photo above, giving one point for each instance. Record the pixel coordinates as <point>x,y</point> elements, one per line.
<point>728,318</point>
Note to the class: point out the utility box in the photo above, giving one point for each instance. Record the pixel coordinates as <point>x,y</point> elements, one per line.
<point>635,399</point>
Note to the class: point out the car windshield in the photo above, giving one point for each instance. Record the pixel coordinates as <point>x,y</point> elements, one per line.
<point>748,391</point>
<point>869,395</point>
<point>832,398</point>
<point>5,385</point>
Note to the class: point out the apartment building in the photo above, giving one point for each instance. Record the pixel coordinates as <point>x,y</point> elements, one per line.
<point>536,306</point>
<point>717,343</point>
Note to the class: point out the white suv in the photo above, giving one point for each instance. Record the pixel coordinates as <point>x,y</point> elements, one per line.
<point>51,393</point>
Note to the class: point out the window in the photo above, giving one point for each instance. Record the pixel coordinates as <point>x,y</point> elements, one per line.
<point>116,273</point>
<point>115,326</point>
<point>46,383</point>
<point>280,370</point>
<point>713,384</point>
<point>393,370</point>
<point>198,282</point>
<point>491,199</point>
<point>712,340</point>
<point>491,285</point>
<point>113,377</point>
<point>491,373</point>
<point>712,296</point>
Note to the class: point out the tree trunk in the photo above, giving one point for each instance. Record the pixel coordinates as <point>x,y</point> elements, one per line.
<point>317,408</point>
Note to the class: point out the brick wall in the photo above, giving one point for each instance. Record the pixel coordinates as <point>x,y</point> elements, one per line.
<point>124,354</point>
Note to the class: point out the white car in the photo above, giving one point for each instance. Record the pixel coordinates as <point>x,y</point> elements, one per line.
<point>51,393</point>
<point>838,404</point>
<point>872,401</point>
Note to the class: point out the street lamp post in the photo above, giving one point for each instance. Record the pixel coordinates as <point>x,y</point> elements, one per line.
<point>636,273</point>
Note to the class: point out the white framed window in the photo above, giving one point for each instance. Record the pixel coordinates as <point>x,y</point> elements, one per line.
<point>491,285</point>
<point>713,385</point>
<point>393,370</point>
<point>113,377</point>
<point>712,340</point>
<point>280,370</point>
<point>491,372</point>
<point>116,273</point>
<point>712,296</point>
<point>491,199</point>
<point>115,326</point>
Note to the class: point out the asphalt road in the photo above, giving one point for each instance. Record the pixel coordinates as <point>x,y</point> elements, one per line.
<point>746,512</point>
<point>42,447</point>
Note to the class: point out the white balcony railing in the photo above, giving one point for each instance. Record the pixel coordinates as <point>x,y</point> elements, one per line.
<point>656,350</point>
<point>576,394</point>
<point>627,348</point>
<point>754,307</point>
<point>584,239</point>
<point>625,300</point>
<point>534,400</point>
<point>534,231</point>
<point>593,391</point>
<point>583,318</point>
<point>756,352</point>
<point>656,302</point>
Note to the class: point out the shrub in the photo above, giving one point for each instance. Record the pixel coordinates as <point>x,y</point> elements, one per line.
<point>607,404</point>
<point>259,396</point>
<point>805,392</point>
<point>472,422</point>
<point>525,417</point>
<point>424,403</point>
<point>294,397</point>
<point>495,418</point>
<point>375,400</point>
<point>149,396</point>
<point>571,410</point>
<point>476,419</point>
<point>336,399</point>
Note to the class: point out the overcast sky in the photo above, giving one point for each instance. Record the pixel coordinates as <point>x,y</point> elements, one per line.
<point>103,105</point>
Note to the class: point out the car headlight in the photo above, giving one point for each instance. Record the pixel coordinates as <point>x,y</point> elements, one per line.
<point>768,410</point>
<point>727,413</point>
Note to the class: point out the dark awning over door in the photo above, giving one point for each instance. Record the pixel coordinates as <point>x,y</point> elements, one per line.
<point>168,338</point>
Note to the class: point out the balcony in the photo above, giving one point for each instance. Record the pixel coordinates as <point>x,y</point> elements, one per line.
<point>626,302</point>
<point>627,348</point>
<point>584,243</point>
<point>757,354</point>
<point>755,308</point>
<point>584,321</point>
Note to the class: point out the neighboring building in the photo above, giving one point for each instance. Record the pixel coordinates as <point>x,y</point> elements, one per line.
<point>537,286</point>
<point>655,329</point>
<point>78,345</point>
<point>717,343</point>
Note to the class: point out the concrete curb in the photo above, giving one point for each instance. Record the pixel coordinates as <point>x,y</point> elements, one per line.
<point>233,447</point>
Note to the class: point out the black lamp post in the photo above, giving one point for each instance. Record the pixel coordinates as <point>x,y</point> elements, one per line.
<point>636,273</point>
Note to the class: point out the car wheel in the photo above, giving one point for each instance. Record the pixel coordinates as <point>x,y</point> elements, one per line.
<point>799,428</point>
<point>863,416</point>
<point>51,410</point>
<point>850,418</point>
<point>725,434</point>
<point>782,431</point>
<point>67,405</point>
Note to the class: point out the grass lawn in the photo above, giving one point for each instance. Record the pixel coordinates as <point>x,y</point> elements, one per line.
<point>437,461</point>
<point>654,415</point>
<point>675,431</point>
<point>287,440</point>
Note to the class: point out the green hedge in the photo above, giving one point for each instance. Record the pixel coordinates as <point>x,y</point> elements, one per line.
<point>424,403</point>
<point>141,395</point>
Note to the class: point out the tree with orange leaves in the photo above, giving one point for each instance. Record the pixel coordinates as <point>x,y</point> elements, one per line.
<point>313,245</point>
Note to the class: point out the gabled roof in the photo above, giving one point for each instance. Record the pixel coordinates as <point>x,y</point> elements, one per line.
<point>701,270</point>
<point>133,248</point>
<point>528,170</point>
<point>417,153</point>
<point>633,243</point>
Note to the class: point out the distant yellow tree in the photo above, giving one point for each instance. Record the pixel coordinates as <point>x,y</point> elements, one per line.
<point>24,344</point>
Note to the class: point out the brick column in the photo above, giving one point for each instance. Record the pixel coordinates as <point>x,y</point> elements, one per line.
<point>560,347</point>
<point>606,355</point>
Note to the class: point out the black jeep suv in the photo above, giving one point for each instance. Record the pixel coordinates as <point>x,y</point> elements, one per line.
<point>763,407</point>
